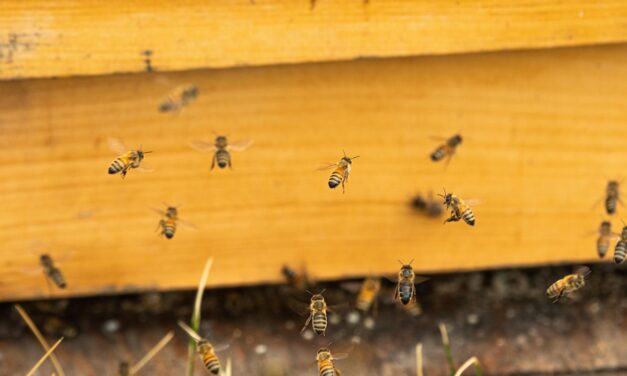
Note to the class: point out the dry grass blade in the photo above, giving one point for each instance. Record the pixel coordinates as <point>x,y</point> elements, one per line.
<point>160,345</point>
<point>447,348</point>
<point>195,322</point>
<point>195,336</point>
<point>40,338</point>
<point>467,364</point>
<point>227,369</point>
<point>43,358</point>
<point>419,359</point>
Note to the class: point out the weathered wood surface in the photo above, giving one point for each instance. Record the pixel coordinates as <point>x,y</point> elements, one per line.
<point>543,131</point>
<point>72,37</point>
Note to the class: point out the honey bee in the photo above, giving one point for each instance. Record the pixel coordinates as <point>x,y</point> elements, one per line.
<point>568,284</point>
<point>428,206</point>
<point>52,272</point>
<point>605,236</point>
<point>447,149</point>
<point>178,98</point>
<point>206,351</point>
<point>221,148</point>
<point>612,196</point>
<point>459,209</point>
<point>341,172</point>
<point>57,327</point>
<point>299,281</point>
<point>124,369</point>
<point>317,314</point>
<point>368,293</point>
<point>621,247</point>
<point>127,159</point>
<point>170,220</point>
<point>405,288</point>
<point>326,365</point>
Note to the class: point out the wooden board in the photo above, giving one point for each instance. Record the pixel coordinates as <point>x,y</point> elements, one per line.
<point>543,131</point>
<point>71,37</point>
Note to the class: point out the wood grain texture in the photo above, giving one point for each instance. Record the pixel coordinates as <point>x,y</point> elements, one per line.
<point>543,132</point>
<point>72,37</point>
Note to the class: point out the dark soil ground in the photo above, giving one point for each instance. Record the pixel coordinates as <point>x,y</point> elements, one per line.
<point>502,317</point>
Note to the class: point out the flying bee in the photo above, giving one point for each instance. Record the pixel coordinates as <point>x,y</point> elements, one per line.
<point>52,272</point>
<point>427,205</point>
<point>406,285</point>
<point>127,159</point>
<point>612,196</point>
<point>57,327</point>
<point>368,293</point>
<point>206,351</point>
<point>341,172</point>
<point>621,247</point>
<point>447,149</point>
<point>178,98</point>
<point>124,369</point>
<point>326,365</point>
<point>298,280</point>
<point>169,221</point>
<point>317,314</point>
<point>605,237</point>
<point>459,209</point>
<point>221,148</point>
<point>568,284</point>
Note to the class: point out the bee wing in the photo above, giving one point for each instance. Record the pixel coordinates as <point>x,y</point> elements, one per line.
<point>583,271</point>
<point>420,279</point>
<point>202,145</point>
<point>472,201</point>
<point>144,167</point>
<point>353,287</point>
<point>158,211</point>
<point>221,347</point>
<point>240,145</point>
<point>326,167</point>
<point>300,308</point>
<point>187,224</point>
<point>340,356</point>
<point>336,307</point>
<point>117,146</point>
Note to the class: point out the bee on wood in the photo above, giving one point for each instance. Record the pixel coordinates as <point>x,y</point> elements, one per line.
<point>427,206</point>
<point>56,327</point>
<point>341,172</point>
<point>206,351</point>
<point>170,221</point>
<point>447,150</point>
<point>221,148</point>
<point>52,272</point>
<point>568,284</point>
<point>178,98</point>
<point>459,209</point>
<point>406,285</point>
<point>326,365</point>
<point>368,293</point>
<point>127,159</point>
<point>605,237</point>
<point>621,247</point>
<point>317,314</point>
<point>612,196</point>
<point>298,280</point>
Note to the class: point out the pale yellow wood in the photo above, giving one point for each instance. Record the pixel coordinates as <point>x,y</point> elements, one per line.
<point>73,37</point>
<point>543,131</point>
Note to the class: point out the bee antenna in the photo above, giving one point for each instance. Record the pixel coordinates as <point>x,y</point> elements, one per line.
<point>412,260</point>
<point>310,293</point>
<point>400,262</point>
<point>344,152</point>
<point>355,157</point>
<point>322,292</point>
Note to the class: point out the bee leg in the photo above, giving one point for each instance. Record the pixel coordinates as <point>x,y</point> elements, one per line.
<point>306,323</point>
<point>559,296</point>
<point>213,161</point>
<point>230,166</point>
<point>396,293</point>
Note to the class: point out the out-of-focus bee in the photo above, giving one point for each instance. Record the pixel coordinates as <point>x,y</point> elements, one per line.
<point>447,149</point>
<point>206,351</point>
<point>341,172</point>
<point>413,308</point>
<point>326,365</point>
<point>299,281</point>
<point>221,148</point>
<point>427,205</point>
<point>52,272</point>
<point>612,196</point>
<point>568,284</point>
<point>605,237</point>
<point>169,221</point>
<point>406,285</point>
<point>178,98</point>
<point>368,293</point>
<point>124,369</point>
<point>317,314</point>
<point>56,327</point>
<point>621,247</point>
<point>127,159</point>
<point>459,209</point>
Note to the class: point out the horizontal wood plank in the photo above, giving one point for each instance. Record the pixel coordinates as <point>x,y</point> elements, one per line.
<point>543,131</point>
<point>71,37</point>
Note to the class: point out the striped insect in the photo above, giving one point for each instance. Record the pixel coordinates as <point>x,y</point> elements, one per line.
<point>206,350</point>
<point>341,172</point>
<point>427,206</point>
<point>170,221</point>
<point>326,365</point>
<point>52,272</point>
<point>620,250</point>
<point>368,294</point>
<point>568,284</point>
<point>447,150</point>
<point>612,196</point>
<point>459,209</point>
<point>605,237</point>
<point>300,281</point>
<point>178,98</point>
<point>317,314</point>
<point>405,287</point>
<point>221,148</point>
<point>127,159</point>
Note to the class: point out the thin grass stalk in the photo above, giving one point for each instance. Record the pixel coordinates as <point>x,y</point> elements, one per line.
<point>43,358</point>
<point>195,321</point>
<point>447,349</point>
<point>419,359</point>
<point>40,338</point>
<point>472,361</point>
<point>160,345</point>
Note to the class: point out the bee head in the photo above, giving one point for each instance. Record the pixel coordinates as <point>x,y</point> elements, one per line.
<point>288,273</point>
<point>191,92</point>
<point>612,185</point>
<point>45,259</point>
<point>204,346</point>
<point>418,202</point>
<point>406,270</point>
<point>606,226</point>
<point>171,211</point>
<point>323,354</point>
<point>166,106</point>
<point>456,140</point>
<point>221,141</point>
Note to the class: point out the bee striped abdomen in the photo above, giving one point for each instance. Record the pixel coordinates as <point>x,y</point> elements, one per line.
<point>438,154</point>
<point>223,158</point>
<point>620,251</point>
<point>405,292</point>
<point>610,204</point>
<point>117,165</point>
<point>469,217</point>
<point>319,322</point>
<point>336,178</point>
<point>363,304</point>
<point>555,289</point>
<point>57,277</point>
<point>327,369</point>
<point>169,228</point>
<point>603,244</point>
<point>212,363</point>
